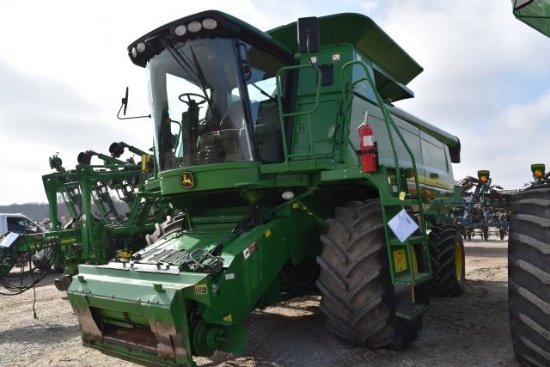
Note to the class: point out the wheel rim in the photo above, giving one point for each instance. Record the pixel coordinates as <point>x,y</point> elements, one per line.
<point>458,260</point>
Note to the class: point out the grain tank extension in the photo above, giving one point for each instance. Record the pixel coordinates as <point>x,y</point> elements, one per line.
<point>284,161</point>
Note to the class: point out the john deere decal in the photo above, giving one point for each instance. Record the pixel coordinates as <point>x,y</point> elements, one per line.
<point>187,180</point>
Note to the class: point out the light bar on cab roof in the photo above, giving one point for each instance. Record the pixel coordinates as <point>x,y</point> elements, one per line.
<point>194,27</point>
<point>140,48</point>
<point>180,30</point>
<point>209,23</point>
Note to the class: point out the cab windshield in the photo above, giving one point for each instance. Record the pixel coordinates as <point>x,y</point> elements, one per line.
<point>214,100</point>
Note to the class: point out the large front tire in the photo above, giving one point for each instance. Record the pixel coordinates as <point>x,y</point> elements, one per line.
<point>355,281</point>
<point>529,277</point>
<point>448,261</point>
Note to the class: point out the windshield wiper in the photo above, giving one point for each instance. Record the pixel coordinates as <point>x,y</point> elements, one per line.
<point>264,92</point>
<point>192,68</point>
<point>200,74</point>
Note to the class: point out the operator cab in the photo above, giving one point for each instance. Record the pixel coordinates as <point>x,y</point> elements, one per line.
<point>213,91</point>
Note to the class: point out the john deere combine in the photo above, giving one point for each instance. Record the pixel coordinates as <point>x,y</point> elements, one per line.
<point>289,170</point>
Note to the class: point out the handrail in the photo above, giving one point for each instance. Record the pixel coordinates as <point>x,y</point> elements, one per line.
<point>283,115</point>
<point>390,124</point>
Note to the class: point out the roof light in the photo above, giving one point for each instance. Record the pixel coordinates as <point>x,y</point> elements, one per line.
<point>194,26</point>
<point>483,175</point>
<point>180,30</point>
<point>140,47</point>
<point>209,23</point>
<point>538,170</point>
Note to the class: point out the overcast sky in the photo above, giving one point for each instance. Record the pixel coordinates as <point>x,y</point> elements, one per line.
<point>64,68</point>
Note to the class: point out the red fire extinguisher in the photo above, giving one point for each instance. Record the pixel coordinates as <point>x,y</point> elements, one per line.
<point>366,144</point>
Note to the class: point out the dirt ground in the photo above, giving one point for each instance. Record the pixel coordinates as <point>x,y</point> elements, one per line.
<point>471,330</point>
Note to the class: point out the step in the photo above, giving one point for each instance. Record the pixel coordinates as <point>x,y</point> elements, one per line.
<point>419,278</point>
<point>413,240</point>
<point>417,310</point>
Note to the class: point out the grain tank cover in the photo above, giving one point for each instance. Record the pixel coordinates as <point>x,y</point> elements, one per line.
<point>366,37</point>
<point>534,13</point>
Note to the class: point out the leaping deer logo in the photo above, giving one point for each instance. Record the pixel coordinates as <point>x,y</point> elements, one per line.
<point>187,181</point>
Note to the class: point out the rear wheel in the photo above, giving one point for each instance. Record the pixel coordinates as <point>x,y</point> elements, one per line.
<point>358,296</point>
<point>529,277</point>
<point>448,261</point>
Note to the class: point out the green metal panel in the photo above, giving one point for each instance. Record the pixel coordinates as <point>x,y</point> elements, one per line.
<point>534,13</point>
<point>210,177</point>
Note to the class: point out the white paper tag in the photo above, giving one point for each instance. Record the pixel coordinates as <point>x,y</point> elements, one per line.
<point>402,225</point>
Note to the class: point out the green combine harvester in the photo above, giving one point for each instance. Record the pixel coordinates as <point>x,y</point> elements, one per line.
<point>288,169</point>
<point>282,167</point>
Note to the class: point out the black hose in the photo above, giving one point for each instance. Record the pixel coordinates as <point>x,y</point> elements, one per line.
<point>26,272</point>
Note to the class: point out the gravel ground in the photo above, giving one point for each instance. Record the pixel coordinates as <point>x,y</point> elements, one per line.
<point>468,330</point>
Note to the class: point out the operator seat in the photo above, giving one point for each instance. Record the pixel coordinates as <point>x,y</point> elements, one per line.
<point>232,126</point>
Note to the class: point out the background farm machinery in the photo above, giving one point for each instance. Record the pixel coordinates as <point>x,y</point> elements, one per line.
<point>486,208</point>
<point>111,210</point>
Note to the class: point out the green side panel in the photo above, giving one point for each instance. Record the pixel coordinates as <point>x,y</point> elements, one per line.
<point>535,13</point>
<point>259,256</point>
<point>321,125</point>
<point>210,177</point>
<point>450,140</point>
<point>365,35</point>
<point>424,146</point>
<point>319,122</point>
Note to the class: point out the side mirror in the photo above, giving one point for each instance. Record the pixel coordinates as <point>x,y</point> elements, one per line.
<point>125,101</point>
<point>308,35</point>
<point>123,107</point>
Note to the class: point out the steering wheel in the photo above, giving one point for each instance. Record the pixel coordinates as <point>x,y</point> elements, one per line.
<point>189,100</point>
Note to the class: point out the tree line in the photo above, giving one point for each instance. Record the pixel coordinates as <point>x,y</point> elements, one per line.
<point>35,211</point>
